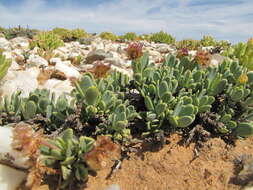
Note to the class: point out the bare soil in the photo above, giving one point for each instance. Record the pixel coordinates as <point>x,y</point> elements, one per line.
<point>175,167</point>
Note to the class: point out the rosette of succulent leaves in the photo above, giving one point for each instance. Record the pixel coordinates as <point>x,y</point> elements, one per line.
<point>39,103</point>
<point>178,96</point>
<point>105,99</point>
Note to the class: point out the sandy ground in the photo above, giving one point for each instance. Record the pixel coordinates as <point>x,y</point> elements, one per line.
<point>173,168</point>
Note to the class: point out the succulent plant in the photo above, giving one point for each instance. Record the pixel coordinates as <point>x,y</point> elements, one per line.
<point>215,83</point>
<point>142,69</point>
<point>66,154</point>
<point>119,120</point>
<point>183,114</point>
<point>244,129</point>
<point>134,51</point>
<point>118,81</point>
<point>39,102</point>
<point>97,97</point>
<point>244,52</point>
<point>203,101</point>
<point>4,65</point>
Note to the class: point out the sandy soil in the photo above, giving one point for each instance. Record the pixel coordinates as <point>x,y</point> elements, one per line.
<point>173,168</point>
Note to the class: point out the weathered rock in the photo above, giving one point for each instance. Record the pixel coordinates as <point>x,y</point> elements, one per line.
<point>86,41</point>
<point>4,44</point>
<point>8,54</point>
<point>113,187</point>
<point>219,58</point>
<point>26,81</point>
<point>97,55</point>
<point>36,61</point>
<point>10,178</point>
<point>55,60</point>
<point>111,47</point>
<point>113,60</point>
<point>192,53</point>
<point>97,44</point>
<point>58,86</point>
<point>154,53</point>
<point>20,42</point>
<point>15,158</point>
<point>14,66</point>
<point>67,68</point>
<point>163,48</point>
<point>121,50</point>
<point>207,48</point>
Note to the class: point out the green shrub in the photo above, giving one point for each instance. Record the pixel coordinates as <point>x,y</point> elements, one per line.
<point>145,37</point>
<point>109,36</point>
<point>208,41</point>
<point>224,44</point>
<point>64,34</point>
<point>162,37</point>
<point>78,33</point>
<point>189,44</point>
<point>4,65</point>
<point>129,36</point>
<point>2,30</point>
<point>46,41</point>
<point>19,32</point>
<point>70,35</point>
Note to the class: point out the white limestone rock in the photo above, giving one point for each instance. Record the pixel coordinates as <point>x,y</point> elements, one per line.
<point>26,81</point>
<point>58,87</point>
<point>36,61</point>
<point>4,44</point>
<point>7,152</point>
<point>20,42</point>
<point>10,178</point>
<point>113,187</point>
<point>67,68</point>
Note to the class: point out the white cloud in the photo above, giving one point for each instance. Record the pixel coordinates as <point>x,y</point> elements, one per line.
<point>226,21</point>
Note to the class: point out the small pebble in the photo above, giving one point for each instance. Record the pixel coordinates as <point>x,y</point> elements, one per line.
<point>113,187</point>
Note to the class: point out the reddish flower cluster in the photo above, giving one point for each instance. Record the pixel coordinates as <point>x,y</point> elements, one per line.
<point>203,58</point>
<point>182,52</point>
<point>134,51</point>
<point>100,70</point>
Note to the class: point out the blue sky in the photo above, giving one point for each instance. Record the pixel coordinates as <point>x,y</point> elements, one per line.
<point>224,19</point>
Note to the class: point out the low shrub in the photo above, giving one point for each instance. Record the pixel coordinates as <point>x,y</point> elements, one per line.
<point>70,35</point>
<point>189,44</point>
<point>19,32</point>
<point>46,41</point>
<point>129,36</point>
<point>208,41</point>
<point>4,65</point>
<point>162,37</point>
<point>109,36</point>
